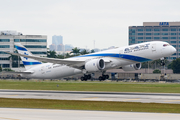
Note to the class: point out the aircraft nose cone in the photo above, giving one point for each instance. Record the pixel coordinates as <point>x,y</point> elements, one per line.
<point>173,50</point>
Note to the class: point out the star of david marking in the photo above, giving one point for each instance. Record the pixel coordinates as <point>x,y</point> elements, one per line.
<point>25,54</point>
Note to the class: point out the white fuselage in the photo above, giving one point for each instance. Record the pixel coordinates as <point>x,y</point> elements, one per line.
<point>116,58</point>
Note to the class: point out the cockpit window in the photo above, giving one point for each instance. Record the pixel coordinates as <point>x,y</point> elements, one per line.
<point>164,45</point>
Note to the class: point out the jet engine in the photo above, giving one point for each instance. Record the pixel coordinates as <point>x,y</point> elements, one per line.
<point>132,67</point>
<point>95,65</point>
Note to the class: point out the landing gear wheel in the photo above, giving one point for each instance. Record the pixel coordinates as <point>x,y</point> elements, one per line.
<point>162,63</point>
<point>103,77</point>
<point>88,76</point>
<point>82,78</point>
<point>100,78</point>
<point>85,78</point>
<point>107,76</point>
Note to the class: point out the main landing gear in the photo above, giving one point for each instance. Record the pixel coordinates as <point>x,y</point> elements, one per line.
<point>103,77</point>
<point>91,76</point>
<point>86,77</point>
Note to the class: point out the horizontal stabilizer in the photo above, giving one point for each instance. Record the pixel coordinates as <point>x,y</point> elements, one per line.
<point>28,72</point>
<point>71,63</point>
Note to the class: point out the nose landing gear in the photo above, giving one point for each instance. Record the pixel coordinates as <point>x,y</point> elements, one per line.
<point>162,62</point>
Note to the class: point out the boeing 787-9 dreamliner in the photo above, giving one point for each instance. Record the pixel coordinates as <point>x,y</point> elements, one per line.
<point>128,58</point>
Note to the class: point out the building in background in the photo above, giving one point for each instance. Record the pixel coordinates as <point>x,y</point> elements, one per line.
<point>58,46</point>
<point>68,47</point>
<point>56,40</point>
<point>37,44</point>
<point>157,31</point>
<point>52,47</point>
<point>57,43</point>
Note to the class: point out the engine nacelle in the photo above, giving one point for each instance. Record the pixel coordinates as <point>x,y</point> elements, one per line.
<point>132,67</point>
<point>95,65</point>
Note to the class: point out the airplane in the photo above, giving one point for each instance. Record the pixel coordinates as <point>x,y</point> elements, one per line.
<point>128,58</point>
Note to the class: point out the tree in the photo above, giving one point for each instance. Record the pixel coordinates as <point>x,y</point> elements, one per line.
<point>156,63</point>
<point>76,51</point>
<point>156,71</point>
<point>84,52</point>
<point>51,54</point>
<point>170,66</point>
<point>67,55</point>
<point>92,51</point>
<point>175,65</point>
<point>145,65</point>
<point>60,56</point>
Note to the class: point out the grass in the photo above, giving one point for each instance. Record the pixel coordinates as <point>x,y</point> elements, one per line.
<point>90,105</point>
<point>91,86</point>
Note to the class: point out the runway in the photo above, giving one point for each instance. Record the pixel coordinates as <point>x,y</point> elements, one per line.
<point>93,96</point>
<point>44,114</point>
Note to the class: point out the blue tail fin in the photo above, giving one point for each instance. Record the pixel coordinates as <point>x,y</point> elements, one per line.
<point>28,62</point>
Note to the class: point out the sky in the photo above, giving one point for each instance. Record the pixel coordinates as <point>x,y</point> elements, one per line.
<point>81,22</point>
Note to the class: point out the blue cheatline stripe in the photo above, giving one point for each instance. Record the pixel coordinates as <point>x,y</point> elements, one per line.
<point>124,56</point>
<point>20,48</point>
<point>31,63</point>
<point>134,58</point>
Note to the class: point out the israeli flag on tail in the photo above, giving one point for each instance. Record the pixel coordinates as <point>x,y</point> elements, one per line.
<point>28,62</point>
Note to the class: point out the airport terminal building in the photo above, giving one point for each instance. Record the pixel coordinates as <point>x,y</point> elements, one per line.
<point>37,44</point>
<point>157,31</point>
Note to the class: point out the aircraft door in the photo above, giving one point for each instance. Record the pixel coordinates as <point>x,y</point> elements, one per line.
<point>42,70</point>
<point>153,47</point>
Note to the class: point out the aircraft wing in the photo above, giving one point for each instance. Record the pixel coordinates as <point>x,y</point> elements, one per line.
<point>72,63</point>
